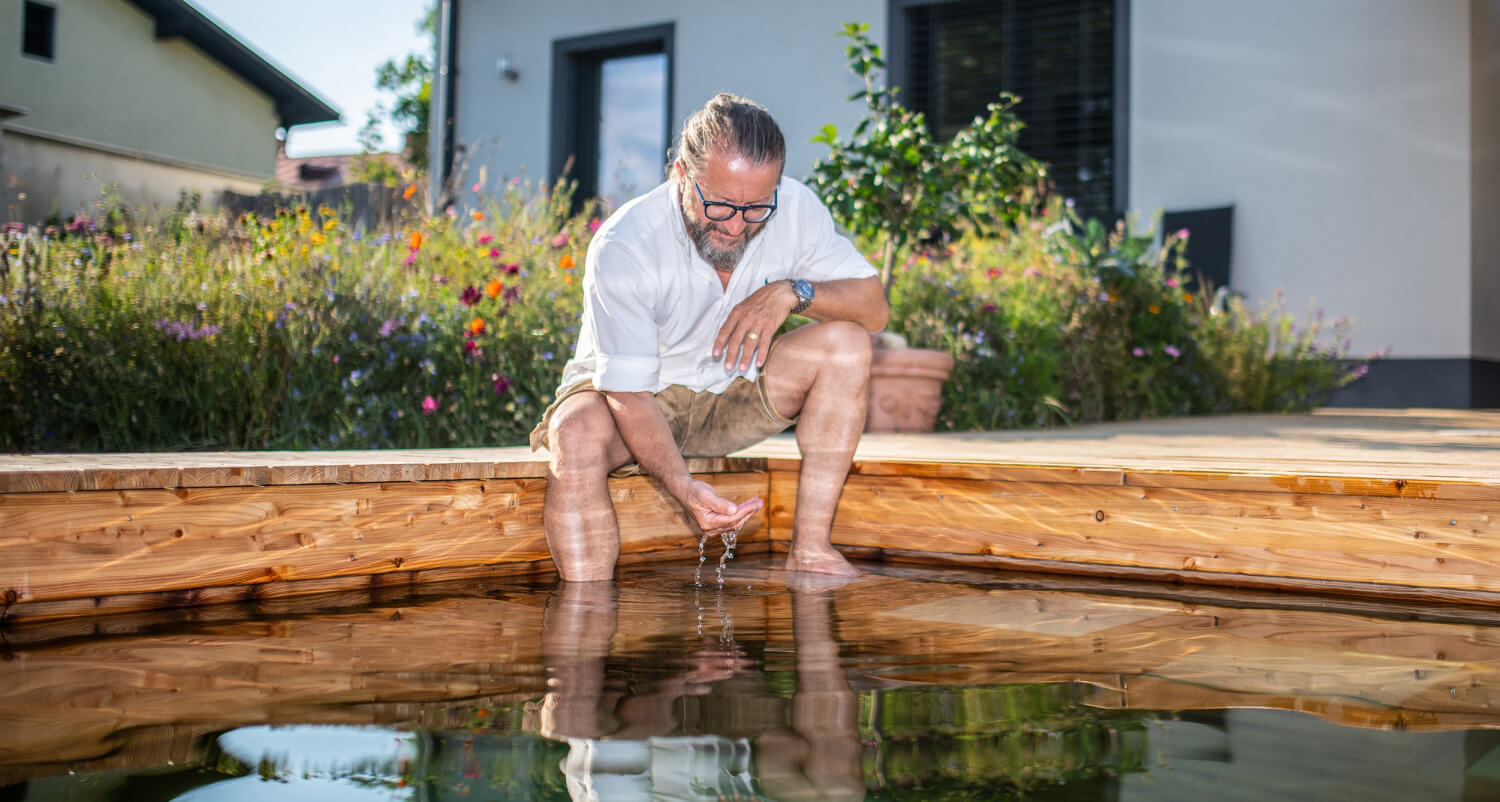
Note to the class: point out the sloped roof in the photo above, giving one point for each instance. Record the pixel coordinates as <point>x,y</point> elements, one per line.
<point>294,104</point>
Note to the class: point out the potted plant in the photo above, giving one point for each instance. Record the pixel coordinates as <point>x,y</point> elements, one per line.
<point>891,182</point>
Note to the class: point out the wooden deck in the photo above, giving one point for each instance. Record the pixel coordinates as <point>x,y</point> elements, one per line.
<point>1404,505</point>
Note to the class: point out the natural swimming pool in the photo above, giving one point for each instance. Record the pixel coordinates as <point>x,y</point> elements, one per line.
<point>905,683</point>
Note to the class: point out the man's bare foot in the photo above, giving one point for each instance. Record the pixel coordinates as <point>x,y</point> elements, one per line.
<point>826,560</point>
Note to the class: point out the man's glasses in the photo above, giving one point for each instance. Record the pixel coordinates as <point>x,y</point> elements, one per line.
<point>754,213</point>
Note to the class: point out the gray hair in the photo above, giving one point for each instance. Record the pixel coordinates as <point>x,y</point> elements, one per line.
<point>733,126</point>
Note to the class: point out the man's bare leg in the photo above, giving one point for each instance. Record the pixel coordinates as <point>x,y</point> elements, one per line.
<point>578,516</point>
<point>821,374</point>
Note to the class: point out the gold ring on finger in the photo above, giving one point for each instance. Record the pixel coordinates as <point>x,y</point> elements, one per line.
<point>754,335</point>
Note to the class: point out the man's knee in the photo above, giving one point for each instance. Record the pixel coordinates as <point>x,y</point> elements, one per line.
<point>581,436</point>
<point>846,344</point>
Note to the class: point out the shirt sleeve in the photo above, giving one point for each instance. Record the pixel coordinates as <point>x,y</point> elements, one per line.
<point>825,255</point>
<point>620,305</point>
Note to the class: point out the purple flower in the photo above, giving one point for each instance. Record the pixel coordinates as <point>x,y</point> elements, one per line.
<point>1171,351</point>
<point>387,328</point>
<point>501,382</point>
<point>1138,351</point>
<point>471,296</point>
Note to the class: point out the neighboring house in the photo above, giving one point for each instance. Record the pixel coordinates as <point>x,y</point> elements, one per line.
<point>148,98</point>
<point>1344,151</point>
<point>325,172</point>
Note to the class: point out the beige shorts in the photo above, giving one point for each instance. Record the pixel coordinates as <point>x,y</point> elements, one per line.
<point>703,424</point>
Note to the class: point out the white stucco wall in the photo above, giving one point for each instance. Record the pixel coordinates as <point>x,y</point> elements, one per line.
<point>112,82</point>
<point>784,54</point>
<point>1340,131</point>
<point>1485,210</point>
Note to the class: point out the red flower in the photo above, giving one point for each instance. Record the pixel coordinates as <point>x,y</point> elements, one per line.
<point>501,383</point>
<point>471,296</point>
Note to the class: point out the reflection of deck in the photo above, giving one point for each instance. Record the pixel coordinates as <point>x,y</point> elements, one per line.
<point>1400,504</point>
<point>140,689</point>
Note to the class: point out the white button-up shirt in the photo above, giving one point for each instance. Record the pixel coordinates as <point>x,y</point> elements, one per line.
<point>652,306</point>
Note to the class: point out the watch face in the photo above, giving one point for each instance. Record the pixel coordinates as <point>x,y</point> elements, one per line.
<point>803,288</point>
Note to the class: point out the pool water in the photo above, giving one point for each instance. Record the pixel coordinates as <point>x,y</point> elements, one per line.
<point>903,683</point>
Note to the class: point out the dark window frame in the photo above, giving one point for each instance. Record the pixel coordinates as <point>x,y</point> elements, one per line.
<point>576,63</point>
<point>896,58</point>
<point>27,40</point>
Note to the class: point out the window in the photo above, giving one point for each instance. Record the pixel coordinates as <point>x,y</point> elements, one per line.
<point>611,114</point>
<point>39,30</point>
<point>1063,58</point>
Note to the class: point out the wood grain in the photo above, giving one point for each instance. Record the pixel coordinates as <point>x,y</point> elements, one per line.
<point>79,545</point>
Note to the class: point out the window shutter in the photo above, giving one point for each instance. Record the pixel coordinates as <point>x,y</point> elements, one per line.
<point>1057,55</point>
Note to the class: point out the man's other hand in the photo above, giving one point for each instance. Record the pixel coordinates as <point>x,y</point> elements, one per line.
<point>747,332</point>
<point>715,514</point>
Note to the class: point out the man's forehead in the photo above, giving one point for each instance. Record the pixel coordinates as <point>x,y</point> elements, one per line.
<point>736,178</point>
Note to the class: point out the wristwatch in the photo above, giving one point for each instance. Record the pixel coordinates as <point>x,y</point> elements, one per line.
<point>804,290</point>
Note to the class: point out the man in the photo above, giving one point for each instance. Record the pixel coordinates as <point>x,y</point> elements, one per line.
<point>684,289</point>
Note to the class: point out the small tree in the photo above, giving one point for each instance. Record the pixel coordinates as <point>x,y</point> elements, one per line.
<point>410,80</point>
<point>893,182</point>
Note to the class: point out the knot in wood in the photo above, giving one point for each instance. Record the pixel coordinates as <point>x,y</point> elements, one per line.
<point>1099,515</point>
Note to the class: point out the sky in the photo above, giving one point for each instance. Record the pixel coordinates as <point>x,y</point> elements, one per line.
<point>332,48</point>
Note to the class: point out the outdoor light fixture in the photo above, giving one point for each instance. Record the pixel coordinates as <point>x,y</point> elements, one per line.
<point>506,69</point>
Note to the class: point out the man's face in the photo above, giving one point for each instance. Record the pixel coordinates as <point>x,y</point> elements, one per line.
<point>728,179</point>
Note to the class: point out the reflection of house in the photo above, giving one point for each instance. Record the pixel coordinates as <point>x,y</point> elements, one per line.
<point>149,96</point>
<point>1355,142</point>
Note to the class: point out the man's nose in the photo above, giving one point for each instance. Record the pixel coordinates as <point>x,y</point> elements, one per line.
<point>734,225</point>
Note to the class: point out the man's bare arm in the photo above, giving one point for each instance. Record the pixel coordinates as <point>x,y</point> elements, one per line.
<point>747,331</point>
<point>645,432</point>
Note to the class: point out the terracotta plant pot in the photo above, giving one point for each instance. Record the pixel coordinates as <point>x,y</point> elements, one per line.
<point>906,388</point>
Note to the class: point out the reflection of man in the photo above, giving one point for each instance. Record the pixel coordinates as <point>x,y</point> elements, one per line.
<point>622,727</point>
<point>685,288</point>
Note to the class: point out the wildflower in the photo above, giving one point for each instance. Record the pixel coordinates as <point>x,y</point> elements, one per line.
<point>1032,272</point>
<point>415,240</point>
<point>330,224</point>
<point>566,262</point>
<point>560,240</point>
<point>1105,298</point>
<point>470,296</point>
<point>476,326</point>
<point>1138,351</point>
<point>512,294</point>
<point>594,224</point>
<point>410,259</point>
<point>1172,282</point>
<point>335,359</point>
<point>500,382</point>
<point>495,254</point>
<point>429,404</point>
<point>990,307</point>
<point>470,348</point>
<point>1154,309</point>
<point>475,188</point>
<point>477,215</point>
<point>1182,233</point>
<point>387,328</point>
<point>547,356</point>
<point>1188,297</point>
<point>1171,351</point>
<point>484,239</point>
<point>318,239</point>
<point>993,272</point>
<point>492,289</point>
<point>510,270</point>
<point>411,189</point>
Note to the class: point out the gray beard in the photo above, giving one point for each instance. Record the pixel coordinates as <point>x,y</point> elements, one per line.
<point>721,259</point>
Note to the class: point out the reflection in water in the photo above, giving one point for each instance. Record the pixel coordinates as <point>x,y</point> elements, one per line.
<point>899,684</point>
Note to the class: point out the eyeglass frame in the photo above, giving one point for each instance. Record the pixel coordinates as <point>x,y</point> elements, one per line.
<point>737,209</point>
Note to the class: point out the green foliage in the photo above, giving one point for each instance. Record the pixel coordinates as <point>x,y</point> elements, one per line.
<point>410,81</point>
<point>893,183</point>
<point>1066,321</point>
<point>292,332</point>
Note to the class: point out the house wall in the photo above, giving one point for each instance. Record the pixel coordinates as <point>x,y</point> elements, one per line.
<point>1484,209</point>
<point>782,53</point>
<point>1340,131</point>
<point>56,177</point>
<point>112,82</point>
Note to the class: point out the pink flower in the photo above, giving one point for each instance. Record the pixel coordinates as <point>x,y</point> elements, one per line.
<point>470,348</point>
<point>1182,233</point>
<point>484,239</point>
<point>335,359</point>
<point>594,224</point>
<point>501,382</point>
<point>993,272</point>
<point>1171,351</point>
<point>1172,282</point>
<point>1032,272</point>
<point>495,254</point>
<point>476,187</point>
<point>429,405</point>
<point>511,269</point>
<point>1138,351</point>
<point>411,258</point>
<point>990,307</point>
<point>560,240</point>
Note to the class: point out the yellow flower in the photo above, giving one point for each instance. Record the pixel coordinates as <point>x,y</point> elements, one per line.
<point>318,239</point>
<point>270,316</point>
<point>304,251</point>
<point>330,224</point>
<point>326,211</point>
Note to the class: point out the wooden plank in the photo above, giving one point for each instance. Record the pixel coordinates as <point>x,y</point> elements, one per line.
<point>87,544</point>
<point>1397,541</point>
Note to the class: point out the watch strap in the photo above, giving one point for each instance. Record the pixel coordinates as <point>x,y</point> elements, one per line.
<point>803,301</point>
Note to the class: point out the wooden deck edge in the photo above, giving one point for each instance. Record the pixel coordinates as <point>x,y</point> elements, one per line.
<point>1360,590</point>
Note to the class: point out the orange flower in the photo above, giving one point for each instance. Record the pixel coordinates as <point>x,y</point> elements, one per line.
<point>477,215</point>
<point>1188,297</point>
<point>566,262</point>
<point>492,289</point>
<point>411,189</point>
<point>476,326</point>
<point>416,240</point>
<point>1154,309</point>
